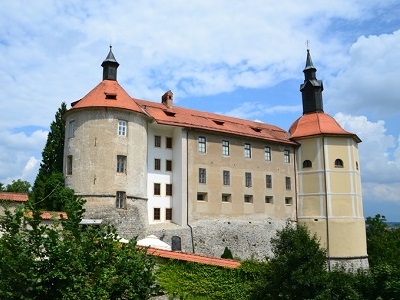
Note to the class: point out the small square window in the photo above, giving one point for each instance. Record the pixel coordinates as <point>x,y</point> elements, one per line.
<point>248,198</point>
<point>202,175</point>
<point>69,165</point>
<point>201,196</point>
<point>247,150</point>
<point>157,164</point>
<point>268,181</point>
<point>168,189</point>
<point>226,177</point>
<point>247,176</point>
<point>120,201</point>
<point>169,142</point>
<point>157,189</point>
<point>288,201</point>
<point>157,141</point>
<point>288,182</point>
<point>121,128</point>
<point>156,214</point>
<point>202,144</point>
<point>168,214</point>
<point>168,165</point>
<point>121,164</point>
<point>269,199</point>
<point>226,197</point>
<point>267,153</point>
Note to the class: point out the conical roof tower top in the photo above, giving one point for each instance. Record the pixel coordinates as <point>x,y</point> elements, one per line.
<point>311,89</point>
<point>110,66</point>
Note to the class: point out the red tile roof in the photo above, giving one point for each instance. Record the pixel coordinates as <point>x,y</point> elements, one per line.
<point>318,123</point>
<point>16,197</point>
<point>107,93</point>
<point>177,116</point>
<point>48,215</point>
<point>201,259</point>
<point>188,118</point>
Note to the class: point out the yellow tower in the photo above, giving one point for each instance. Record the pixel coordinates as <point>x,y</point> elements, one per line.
<point>329,182</point>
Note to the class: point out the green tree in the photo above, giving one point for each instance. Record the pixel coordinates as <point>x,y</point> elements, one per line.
<point>2,187</point>
<point>298,268</point>
<point>52,156</point>
<point>18,186</point>
<point>66,262</point>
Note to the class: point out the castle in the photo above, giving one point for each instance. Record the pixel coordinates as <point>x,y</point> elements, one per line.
<point>203,181</point>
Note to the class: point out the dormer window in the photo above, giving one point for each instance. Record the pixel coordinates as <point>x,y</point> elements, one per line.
<point>111,96</point>
<point>256,129</point>
<point>218,122</point>
<point>169,113</point>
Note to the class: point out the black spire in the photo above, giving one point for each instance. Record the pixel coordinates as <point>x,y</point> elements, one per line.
<point>110,66</point>
<point>311,89</point>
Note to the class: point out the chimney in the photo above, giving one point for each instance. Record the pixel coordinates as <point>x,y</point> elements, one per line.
<point>167,99</point>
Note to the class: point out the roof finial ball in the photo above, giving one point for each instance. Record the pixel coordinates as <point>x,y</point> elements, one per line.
<point>110,66</point>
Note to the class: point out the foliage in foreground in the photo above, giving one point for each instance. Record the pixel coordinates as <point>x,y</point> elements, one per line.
<point>297,271</point>
<point>67,262</point>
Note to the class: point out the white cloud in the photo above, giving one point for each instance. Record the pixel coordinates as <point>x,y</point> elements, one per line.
<point>251,110</point>
<point>20,155</point>
<point>369,80</point>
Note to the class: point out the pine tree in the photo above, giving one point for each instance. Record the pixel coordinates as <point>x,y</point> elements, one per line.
<point>52,157</point>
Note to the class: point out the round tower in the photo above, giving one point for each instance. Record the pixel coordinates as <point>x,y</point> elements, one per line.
<point>105,153</point>
<point>329,182</point>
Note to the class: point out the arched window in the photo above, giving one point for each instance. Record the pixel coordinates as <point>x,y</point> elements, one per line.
<point>307,164</point>
<point>338,163</point>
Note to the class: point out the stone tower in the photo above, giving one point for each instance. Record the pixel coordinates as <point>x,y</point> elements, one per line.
<point>328,177</point>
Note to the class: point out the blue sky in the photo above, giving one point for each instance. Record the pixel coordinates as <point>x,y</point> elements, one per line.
<point>240,58</point>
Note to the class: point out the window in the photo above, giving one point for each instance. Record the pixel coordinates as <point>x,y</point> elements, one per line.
<point>71,129</point>
<point>226,177</point>
<point>156,214</point>
<point>287,156</point>
<point>157,141</point>
<point>288,183</point>
<point>69,165</point>
<point>307,164</point>
<point>120,200</point>
<point>121,128</point>
<point>288,200</point>
<point>201,196</point>
<point>226,197</point>
<point>268,181</point>
<point>168,189</point>
<point>157,189</point>
<point>169,142</point>
<point>269,199</point>
<point>247,150</point>
<point>202,144</point>
<point>168,165</point>
<point>121,164</point>
<point>202,175</point>
<point>157,164</point>
<point>247,176</point>
<point>225,148</point>
<point>338,163</point>
<point>267,153</point>
<point>248,198</point>
<point>356,165</point>
<point>168,214</point>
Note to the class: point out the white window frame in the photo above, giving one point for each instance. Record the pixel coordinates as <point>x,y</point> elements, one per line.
<point>247,150</point>
<point>202,144</point>
<point>122,124</point>
<point>267,153</point>
<point>225,148</point>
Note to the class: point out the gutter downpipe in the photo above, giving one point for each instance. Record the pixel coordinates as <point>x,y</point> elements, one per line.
<point>187,188</point>
<point>326,208</point>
